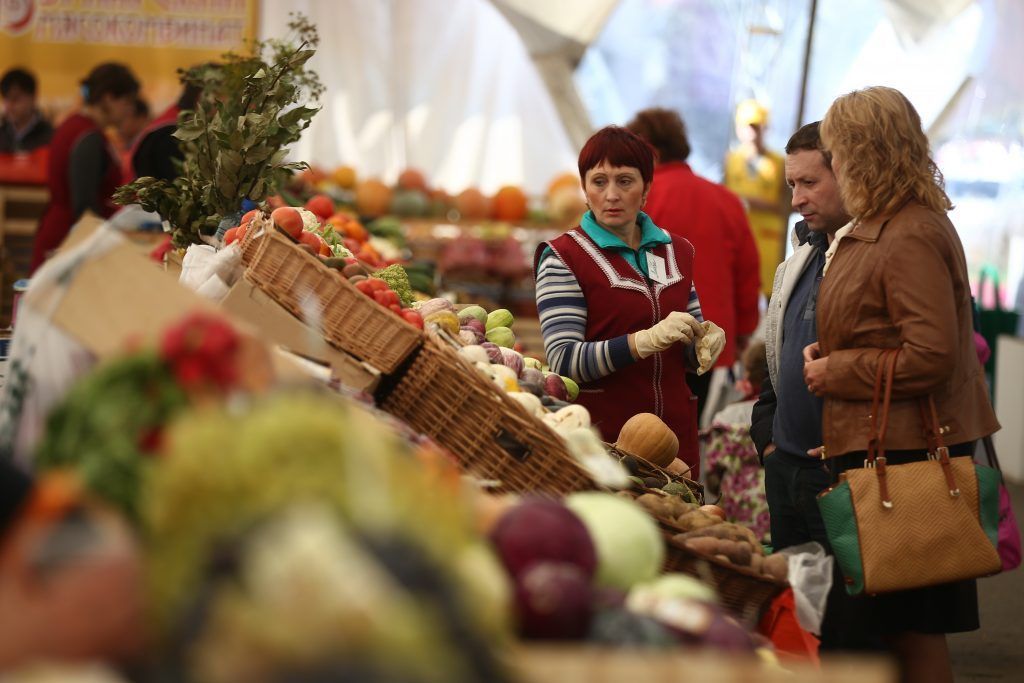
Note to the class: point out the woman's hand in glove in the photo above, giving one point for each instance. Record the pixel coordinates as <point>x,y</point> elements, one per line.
<point>709,346</point>
<point>675,327</point>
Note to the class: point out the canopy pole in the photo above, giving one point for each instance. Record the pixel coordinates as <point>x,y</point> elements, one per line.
<point>807,65</point>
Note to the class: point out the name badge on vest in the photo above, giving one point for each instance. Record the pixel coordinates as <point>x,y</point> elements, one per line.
<point>656,268</point>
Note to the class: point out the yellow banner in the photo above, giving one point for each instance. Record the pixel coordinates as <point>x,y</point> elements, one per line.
<point>60,41</point>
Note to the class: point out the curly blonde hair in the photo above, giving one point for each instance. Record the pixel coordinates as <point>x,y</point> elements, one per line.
<point>877,134</point>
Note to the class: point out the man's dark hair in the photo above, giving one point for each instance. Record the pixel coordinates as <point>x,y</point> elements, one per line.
<point>141,108</point>
<point>665,131</point>
<point>808,137</point>
<point>110,78</point>
<point>18,78</point>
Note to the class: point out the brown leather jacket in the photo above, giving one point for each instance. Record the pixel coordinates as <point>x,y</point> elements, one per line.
<point>900,281</point>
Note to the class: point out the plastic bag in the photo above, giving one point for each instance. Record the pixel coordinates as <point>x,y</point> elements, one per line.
<point>209,272</point>
<point>810,575</point>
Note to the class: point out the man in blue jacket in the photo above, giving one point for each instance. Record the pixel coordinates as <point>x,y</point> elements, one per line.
<point>786,421</point>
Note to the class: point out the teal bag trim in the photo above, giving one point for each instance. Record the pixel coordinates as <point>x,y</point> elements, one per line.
<point>988,502</point>
<point>841,526</point>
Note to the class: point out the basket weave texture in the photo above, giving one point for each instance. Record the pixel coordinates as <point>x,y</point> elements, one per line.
<point>323,298</point>
<point>491,435</point>
<point>743,592</point>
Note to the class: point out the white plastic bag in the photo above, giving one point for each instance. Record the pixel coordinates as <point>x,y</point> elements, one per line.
<point>810,575</point>
<point>210,272</point>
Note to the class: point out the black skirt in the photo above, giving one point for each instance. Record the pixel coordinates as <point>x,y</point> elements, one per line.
<point>947,608</point>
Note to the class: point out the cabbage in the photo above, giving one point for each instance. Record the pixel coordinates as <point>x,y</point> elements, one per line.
<point>473,313</point>
<point>502,336</point>
<point>499,318</point>
<point>629,546</point>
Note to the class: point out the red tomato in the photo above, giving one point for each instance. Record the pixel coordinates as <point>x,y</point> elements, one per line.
<point>412,317</point>
<point>230,236</point>
<point>365,287</point>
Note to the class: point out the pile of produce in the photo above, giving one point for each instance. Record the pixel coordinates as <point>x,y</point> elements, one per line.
<point>301,534</point>
<point>110,425</point>
<point>703,530</point>
<point>587,569</point>
<point>413,196</point>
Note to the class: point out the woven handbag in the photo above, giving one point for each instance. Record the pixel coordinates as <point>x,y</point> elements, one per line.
<point>897,527</point>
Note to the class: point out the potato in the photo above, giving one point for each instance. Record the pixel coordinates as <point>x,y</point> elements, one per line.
<point>658,505</point>
<point>757,563</point>
<point>705,545</point>
<point>777,567</point>
<point>738,552</point>
<point>696,520</point>
<point>721,557</point>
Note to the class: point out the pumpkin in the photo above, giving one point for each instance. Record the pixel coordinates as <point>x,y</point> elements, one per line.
<point>411,179</point>
<point>646,436</point>
<point>472,204</point>
<point>373,198</point>
<point>509,204</point>
<point>563,181</point>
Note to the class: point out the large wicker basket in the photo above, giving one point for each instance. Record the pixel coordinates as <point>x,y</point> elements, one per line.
<point>324,299</point>
<point>744,592</point>
<point>491,435</point>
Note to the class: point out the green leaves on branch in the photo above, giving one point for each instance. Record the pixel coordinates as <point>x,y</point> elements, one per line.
<point>235,141</point>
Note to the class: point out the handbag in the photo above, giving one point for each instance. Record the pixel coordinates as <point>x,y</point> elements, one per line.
<point>898,527</point>
<point>1009,532</point>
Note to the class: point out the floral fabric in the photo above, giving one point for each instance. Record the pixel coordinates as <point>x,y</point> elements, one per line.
<point>731,454</point>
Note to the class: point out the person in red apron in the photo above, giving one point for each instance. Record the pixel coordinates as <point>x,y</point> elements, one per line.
<point>83,170</point>
<point>618,310</point>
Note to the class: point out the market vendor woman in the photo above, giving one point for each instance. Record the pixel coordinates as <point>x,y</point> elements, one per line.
<point>618,309</point>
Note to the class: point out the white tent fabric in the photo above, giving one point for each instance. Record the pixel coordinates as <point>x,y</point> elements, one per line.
<point>444,86</point>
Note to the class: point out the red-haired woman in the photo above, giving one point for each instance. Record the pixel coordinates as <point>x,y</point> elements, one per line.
<point>618,310</point>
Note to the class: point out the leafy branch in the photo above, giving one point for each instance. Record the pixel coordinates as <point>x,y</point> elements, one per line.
<point>235,140</point>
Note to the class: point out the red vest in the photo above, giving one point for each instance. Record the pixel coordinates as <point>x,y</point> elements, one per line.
<point>620,301</point>
<point>59,217</point>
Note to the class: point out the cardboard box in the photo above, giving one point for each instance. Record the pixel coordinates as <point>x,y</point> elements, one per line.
<point>249,303</point>
<point>114,297</point>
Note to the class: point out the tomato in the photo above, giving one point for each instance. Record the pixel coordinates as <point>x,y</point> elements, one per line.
<point>248,217</point>
<point>412,317</point>
<point>378,285</point>
<point>230,236</point>
<point>396,308</point>
<point>365,287</point>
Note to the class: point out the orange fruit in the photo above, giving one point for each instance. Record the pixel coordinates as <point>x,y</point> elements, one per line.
<point>344,176</point>
<point>509,204</point>
<point>372,198</point>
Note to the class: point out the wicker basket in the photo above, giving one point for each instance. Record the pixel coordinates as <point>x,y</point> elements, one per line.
<point>309,289</point>
<point>491,435</point>
<point>744,592</point>
<point>259,227</point>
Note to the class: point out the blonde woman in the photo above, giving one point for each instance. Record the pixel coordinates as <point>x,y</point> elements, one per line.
<point>897,280</point>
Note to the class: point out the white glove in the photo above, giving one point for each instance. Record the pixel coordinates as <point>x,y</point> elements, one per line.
<point>676,326</point>
<point>709,346</point>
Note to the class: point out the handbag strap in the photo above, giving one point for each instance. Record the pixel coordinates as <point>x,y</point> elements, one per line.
<point>990,454</point>
<point>880,403</point>
<point>937,450</point>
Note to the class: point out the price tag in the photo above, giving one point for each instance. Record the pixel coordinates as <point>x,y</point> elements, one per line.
<point>656,268</point>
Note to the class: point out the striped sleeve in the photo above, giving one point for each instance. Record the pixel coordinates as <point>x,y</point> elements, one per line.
<point>693,306</point>
<point>563,324</point>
